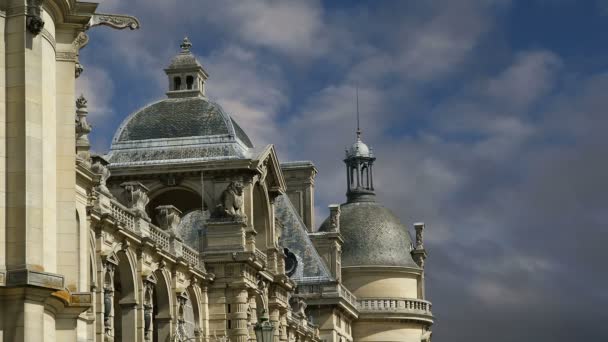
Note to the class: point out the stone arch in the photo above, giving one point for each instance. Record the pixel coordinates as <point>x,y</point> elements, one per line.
<point>125,297</point>
<point>195,301</point>
<point>163,306</point>
<point>183,198</point>
<point>262,217</point>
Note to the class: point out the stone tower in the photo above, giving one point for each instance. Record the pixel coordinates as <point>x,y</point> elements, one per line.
<point>380,264</point>
<point>43,268</point>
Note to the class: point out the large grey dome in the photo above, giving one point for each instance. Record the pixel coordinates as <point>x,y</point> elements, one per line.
<point>373,236</point>
<point>178,129</point>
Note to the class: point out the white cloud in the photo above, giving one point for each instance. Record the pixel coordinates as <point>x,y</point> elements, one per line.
<point>97,87</point>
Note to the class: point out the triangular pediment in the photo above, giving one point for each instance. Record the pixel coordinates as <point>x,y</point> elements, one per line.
<point>269,167</point>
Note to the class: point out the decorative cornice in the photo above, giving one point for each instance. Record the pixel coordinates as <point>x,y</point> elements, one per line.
<point>116,21</point>
<point>66,56</point>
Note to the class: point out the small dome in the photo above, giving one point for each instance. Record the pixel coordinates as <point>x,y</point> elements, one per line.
<point>358,149</point>
<point>373,236</point>
<point>184,60</point>
<point>174,129</point>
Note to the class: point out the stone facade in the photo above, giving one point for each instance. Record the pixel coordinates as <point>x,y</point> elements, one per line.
<point>200,237</point>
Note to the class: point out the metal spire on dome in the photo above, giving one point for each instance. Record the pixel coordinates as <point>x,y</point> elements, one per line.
<point>358,126</point>
<point>186,45</point>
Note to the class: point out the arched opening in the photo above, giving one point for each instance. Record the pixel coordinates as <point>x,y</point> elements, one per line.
<point>261,219</point>
<point>183,199</point>
<point>364,177</point>
<point>162,309</point>
<point>189,82</point>
<point>195,316</point>
<point>177,83</point>
<point>124,301</point>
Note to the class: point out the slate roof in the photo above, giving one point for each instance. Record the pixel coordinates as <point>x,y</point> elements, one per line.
<point>373,236</point>
<point>295,237</point>
<point>177,130</point>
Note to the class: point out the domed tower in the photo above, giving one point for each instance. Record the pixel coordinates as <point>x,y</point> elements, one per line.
<point>380,264</point>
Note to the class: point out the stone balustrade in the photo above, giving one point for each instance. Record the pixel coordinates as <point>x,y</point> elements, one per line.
<point>134,222</point>
<point>327,291</point>
<point>349,296</point>
<point>411,306</point>
<point>260,255</point>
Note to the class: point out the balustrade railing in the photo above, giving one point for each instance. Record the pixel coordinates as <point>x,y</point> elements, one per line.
<point>349,296</point>
<point>260,255</point>
<point>395,305</point>
<point>190,255</point>
<point>163,239</point>
<point>123,215</point>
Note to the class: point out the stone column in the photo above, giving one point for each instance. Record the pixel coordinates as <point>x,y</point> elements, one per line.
<point>148,310</point>
<point>275,319</point>
<point>238,315</point>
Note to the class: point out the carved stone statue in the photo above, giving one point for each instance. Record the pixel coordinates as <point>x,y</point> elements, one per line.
<point>100,167</point>
<point>231,202</point>
<point>168,217</point>
<point>334,217</point>
<point>135,197</point>
<point>83,128</point>
<point>298,306</point>
<point>419,227</point>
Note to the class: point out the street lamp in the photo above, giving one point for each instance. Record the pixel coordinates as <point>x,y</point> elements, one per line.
<point>264,330</point>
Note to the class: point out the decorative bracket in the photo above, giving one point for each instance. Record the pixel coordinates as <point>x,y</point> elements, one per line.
<point>116,21</point>
<point>34,22</point>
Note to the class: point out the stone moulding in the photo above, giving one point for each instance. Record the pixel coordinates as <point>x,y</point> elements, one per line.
<point>26,277</point>
<point>116,21</point>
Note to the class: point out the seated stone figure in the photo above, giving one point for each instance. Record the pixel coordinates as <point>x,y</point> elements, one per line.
<point>231,202</point>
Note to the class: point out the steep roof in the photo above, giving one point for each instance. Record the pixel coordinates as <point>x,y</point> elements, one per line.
<point>295,238</point>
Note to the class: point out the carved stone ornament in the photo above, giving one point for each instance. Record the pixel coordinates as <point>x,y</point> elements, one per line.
<point>34,21</point>
<point>82,39</point>
<point>116,21</point>
<point>135,196</point>
<point>82,129</point>
<point>334,217</point>
<point>231,203</point>
<point>168,217</point>
<point>298,306</point>
<point>78,69</point>
<point>419,227</point>
<point>100,167</point>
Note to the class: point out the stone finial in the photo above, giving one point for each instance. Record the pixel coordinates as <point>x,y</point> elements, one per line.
<point>334,217</point>
<point>419,253</point>
<point>186,45</point>
<point>168,217</point>
<point>419,227</point>
<point>100,167</point>
<point>82,129</point>
<point>135,196</point>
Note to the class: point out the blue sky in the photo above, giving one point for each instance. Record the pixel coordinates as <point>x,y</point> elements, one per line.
<point>487,118</point>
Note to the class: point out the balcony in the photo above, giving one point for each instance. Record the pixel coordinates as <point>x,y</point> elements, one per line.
<point>404,308</point>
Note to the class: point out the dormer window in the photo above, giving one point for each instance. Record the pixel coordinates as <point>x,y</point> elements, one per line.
<point>189,82</point>
<point>177,83</point>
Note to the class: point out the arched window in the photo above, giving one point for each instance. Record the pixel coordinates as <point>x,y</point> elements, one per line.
<point>189,82</point>
<point>177,83</point>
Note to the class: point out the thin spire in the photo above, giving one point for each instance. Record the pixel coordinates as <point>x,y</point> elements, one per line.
<point>358,126</point>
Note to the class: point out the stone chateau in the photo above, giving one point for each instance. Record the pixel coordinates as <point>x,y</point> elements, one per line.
<point>185,230</point>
